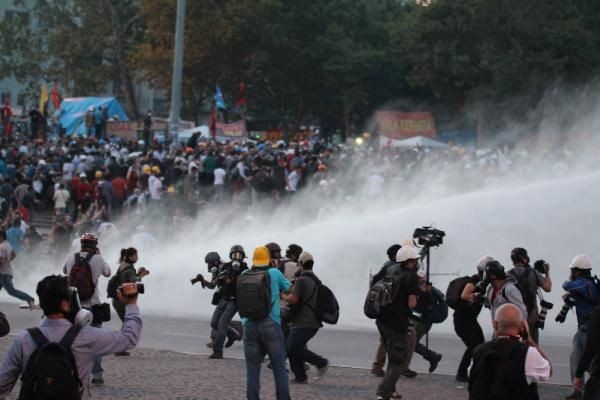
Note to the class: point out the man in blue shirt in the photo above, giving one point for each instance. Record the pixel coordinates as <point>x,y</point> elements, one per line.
<point>14,235</point>
<point>264,336</point>
<point>583,293</point>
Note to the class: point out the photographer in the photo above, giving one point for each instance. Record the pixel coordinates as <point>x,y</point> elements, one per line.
<point>79,268</point>
<point>226,281</point>
<point>509,366</point>
<point>501,289</point>
<point>583,293</point>
<point>529,280</point>
<point>83,342</point>
<point>126,273</point>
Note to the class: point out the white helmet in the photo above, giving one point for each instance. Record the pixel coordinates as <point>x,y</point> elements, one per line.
<point>482,262</point>
<point>581,262</point>
<point>407,253</point>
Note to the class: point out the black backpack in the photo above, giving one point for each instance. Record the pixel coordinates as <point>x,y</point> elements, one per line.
<point>454,291</point>
<point>114,282</point>
<point>80,277</point>
<point>529,295</point>
<point>51,372</point>
<point>379,296</point>
<point>327,309</point>
<point>254,294</point>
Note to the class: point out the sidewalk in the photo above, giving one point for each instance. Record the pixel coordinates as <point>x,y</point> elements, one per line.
<point>154,374</point>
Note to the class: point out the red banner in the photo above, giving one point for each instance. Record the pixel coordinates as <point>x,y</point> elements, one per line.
<point>234,130</point>
<point>401,125</point>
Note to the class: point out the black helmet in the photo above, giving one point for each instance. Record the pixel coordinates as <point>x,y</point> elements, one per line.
<point>237,253</point>
<point>392,251</point>
<point>212,258</point>
<point>274,250</point>
<point>519,255</point>
<point>293,251</point>
<point>494,270</point>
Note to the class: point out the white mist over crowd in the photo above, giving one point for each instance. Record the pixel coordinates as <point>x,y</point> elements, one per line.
<point>542,195</point>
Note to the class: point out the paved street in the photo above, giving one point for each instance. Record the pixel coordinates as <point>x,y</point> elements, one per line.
<point>184,372</point>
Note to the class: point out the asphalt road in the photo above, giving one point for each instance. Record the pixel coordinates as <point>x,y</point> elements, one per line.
<point>350,347</point>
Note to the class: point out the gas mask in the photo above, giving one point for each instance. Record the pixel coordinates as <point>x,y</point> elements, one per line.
<point>78,315</point>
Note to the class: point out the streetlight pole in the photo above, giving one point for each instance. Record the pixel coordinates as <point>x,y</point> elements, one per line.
<point>177,72</point>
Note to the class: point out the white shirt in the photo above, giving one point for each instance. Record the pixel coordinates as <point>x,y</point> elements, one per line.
<point>60,198</point>
<point>154,185</point>
<point>68,171</point>
<point>293,179</point>
<point>537,368</point>
<point>219,176</point>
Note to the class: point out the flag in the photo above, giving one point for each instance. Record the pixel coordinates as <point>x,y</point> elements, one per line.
<point>241,101</point>
<point>219,101</point>
<point>43,98</point>
<point>212,122</point>
<point>55,96</point>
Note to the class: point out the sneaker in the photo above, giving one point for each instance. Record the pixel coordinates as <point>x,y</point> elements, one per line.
<point>299,382</point>
<point>378,372</point>
<point>216,356</point>
<point>231,341</point>
<point>322,371</point>
<point>462,378</point>
<point>576,395</point>
<point>382,397</point>
<point>434,361</point>
<point>97,381</point>
<point>122,354</point>
<point>409,373</point>
<point>396,395</point>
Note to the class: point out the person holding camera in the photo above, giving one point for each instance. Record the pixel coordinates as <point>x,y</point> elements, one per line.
<point>509,366</point>
<point>83,270</point>
<point>500,289</point>
<point>213,264</point>
<point>584,295</point>
<point>529,280</point>
<point>57,328</point>
<point>126,273</point>
<point>226,281</point>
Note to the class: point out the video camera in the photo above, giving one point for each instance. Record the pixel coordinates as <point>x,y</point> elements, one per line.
<point>429,236</point>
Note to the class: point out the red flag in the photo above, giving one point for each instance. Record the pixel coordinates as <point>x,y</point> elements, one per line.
<point>55,96</point>
<point>212,122</point>
<point>241,101</point>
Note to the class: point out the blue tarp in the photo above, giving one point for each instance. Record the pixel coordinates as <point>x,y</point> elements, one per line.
<point>73,109</point>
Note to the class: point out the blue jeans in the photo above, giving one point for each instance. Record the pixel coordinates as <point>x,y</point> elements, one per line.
<point>97,367</point>
<point>260,338</point>
<point>6,283</point>
<point>219,322</point>
<point>578,347</point>
<point>298,352</point>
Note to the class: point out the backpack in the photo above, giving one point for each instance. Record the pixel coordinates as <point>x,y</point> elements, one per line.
<point>523,284</point>
<point>81,277</point>
<point>379,296</point>
<point>254,294</point>
<point>327,309</point>
<point>454,291</point>
<point>113,284</point>
<point>51,372</point>
<point>439,309</point>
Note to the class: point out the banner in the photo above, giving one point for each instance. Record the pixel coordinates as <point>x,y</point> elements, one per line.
<point>232,131</point>
<point>400,125</point>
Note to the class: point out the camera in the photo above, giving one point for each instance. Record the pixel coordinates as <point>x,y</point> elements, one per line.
<point>131,290</point>
<point>429,236</point>
<point>198,278</point>
<point>541,266</point>
<point>479,291</point>
<point>562,315</point>
<point>545,306</point>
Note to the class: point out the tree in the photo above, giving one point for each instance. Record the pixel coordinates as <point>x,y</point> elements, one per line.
<point>82,44</point>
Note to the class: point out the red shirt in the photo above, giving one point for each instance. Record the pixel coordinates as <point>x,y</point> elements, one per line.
<point>119,186</point>
<point>82,189</point>
<point>24,213</point>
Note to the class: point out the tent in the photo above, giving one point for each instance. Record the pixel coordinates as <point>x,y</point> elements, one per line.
<point>415,141</point>
<point>73,110</point>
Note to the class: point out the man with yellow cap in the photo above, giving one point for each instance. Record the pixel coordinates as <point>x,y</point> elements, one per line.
<point>262,325</point>
<point>155,184</point>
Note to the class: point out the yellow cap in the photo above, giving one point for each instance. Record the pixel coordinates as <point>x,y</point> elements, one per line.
<point>171,189</point>
<point>146,169</point>
<point>98,174</point>
<point>155,169</point>
<point>261,257</point>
